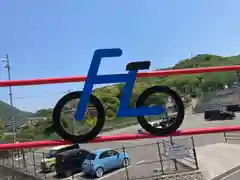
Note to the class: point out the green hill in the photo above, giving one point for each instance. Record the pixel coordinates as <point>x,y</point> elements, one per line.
<point>6,111</point>
<point>184,84</point>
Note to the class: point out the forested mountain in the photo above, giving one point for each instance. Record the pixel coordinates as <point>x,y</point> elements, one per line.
<point>6,111</point>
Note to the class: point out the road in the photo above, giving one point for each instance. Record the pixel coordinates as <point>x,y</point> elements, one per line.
<point>233,176</point>
<point>143,154</point>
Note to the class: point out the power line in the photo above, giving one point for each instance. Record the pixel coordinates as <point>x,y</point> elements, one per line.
<point>7,66</point>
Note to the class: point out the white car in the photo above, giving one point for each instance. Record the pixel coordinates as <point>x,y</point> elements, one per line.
<point>162,123</point>
<point>154,124</point>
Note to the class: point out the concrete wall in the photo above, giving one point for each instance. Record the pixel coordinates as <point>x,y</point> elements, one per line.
<point>223,97</point>
<point>7,173</point>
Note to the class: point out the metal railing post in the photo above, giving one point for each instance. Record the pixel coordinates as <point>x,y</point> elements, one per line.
<point>45,176</point>
<point>8,154</point>
<point>174,160</point>
<point>194,153</point>
<point>18,154</point>
<point>160,156</point>
<point>24,160</point>
<point>13,159</point>
<point>225,137</point>
<point>34,164</point>
<point>164,147</point>
<point>126,169</point>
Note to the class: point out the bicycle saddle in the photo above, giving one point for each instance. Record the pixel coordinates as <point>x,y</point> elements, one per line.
<point>139,65</point>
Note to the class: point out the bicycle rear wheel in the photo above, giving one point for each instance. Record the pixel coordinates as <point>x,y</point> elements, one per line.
<point>169,126</point>
<point>58,123</point>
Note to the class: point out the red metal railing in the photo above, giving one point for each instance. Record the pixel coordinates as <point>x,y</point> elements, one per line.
<point>30,82</point>
<point>124,136</point>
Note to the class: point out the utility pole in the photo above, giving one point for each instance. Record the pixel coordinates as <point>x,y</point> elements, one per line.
<point>7,66</point>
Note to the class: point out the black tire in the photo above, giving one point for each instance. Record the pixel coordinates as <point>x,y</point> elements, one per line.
<point>102,172</point>
<point>179,103</point>
<point>125,162</point>
<point>52,168</point>
<point>56,117</point>
<point>68,174</point>
<point>206,115</point>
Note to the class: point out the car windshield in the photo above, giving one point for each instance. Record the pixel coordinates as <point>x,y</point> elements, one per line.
<point>214,107</point>
<point>91,156</point>
<point>51,154</point>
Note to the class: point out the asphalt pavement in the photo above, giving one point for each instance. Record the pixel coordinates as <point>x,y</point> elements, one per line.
<point>233,176</point>
<point>141,155</point>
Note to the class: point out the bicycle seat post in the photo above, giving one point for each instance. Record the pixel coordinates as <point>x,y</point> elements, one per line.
<point>92,76</point>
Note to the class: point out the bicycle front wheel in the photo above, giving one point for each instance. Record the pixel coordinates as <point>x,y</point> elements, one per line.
<point>163,124</point>
<point>64,118</point>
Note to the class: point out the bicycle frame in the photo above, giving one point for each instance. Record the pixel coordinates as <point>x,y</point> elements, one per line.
<point>129,80</point>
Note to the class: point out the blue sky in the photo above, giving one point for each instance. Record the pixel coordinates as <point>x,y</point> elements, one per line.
<point>57,38</point>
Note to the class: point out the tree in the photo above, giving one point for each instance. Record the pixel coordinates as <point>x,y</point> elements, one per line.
<point>28,132</point>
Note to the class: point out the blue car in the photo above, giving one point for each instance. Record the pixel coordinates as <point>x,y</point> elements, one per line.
<point>104,160</point>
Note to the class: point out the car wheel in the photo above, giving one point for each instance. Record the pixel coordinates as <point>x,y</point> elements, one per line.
<point>99,172</point>
<point>52,168</point>
<point>59,175</point>
<point>68,174</point>
<point>125,162</point>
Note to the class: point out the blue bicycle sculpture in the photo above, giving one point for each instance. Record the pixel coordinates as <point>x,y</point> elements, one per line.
<point>129,78</point>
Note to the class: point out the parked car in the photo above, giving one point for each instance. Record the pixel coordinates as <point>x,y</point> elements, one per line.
<point>70,162</point>
<point>218,113</point>
<point>164,122</point>
<point>154,124</point>
<point>49,161</point>
<point>233,108</point>
<point>104,160</point>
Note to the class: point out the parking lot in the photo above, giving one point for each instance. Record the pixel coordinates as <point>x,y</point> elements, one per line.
<point>140,155</point>
<point>142,164</point>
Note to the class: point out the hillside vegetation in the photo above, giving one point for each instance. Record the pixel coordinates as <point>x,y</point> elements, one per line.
<point>6,111</point>
<point>184,84</point>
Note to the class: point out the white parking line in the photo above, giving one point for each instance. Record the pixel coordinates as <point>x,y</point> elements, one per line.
<point>113,173</point>
<point>74,176</point>
<point>38,171</point>
<point>51,174</point>
<point>140,162</point>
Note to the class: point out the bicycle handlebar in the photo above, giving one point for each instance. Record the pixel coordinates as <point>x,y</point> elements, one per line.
<point>114,52</point>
